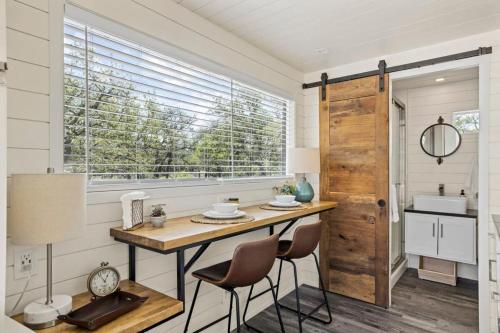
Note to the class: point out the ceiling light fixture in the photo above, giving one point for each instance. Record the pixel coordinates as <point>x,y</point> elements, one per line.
<point>440,79</point>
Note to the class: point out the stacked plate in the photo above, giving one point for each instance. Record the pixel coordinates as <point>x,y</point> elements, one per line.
<point>284,201</point>
<point>284,204</point>
<point>224,211</point>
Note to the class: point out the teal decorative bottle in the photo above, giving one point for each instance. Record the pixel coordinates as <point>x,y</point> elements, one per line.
<point>304,191</point>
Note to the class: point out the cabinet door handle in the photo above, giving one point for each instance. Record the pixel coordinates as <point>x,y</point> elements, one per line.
<point>490,270</point>
<point>442,231</point>
<point>433,229</point>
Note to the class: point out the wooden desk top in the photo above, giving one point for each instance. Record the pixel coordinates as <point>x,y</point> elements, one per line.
<point>181,232</point>
<point>157,308</point>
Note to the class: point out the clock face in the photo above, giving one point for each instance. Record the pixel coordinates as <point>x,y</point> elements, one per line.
<point>104,282</point>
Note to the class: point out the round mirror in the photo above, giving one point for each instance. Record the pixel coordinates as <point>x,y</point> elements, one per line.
<point>440,140</point>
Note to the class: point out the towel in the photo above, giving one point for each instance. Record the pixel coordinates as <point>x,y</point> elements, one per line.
<point>394,204</point>
<point>126,200</point>
<point>471,180</point>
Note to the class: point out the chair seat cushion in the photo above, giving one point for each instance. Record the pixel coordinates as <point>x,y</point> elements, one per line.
<point>283,247</point>
<point>213,274</point>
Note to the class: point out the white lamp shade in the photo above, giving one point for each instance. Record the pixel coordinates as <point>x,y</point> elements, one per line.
<point>47,208</point>
<point>303,160</point>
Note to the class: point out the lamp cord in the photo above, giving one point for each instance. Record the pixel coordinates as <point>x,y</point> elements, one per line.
<point>22,294</point>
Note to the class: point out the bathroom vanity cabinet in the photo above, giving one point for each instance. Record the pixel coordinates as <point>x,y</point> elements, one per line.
<point>441,236</point>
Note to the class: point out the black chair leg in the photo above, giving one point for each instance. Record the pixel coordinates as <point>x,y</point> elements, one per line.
<point>237,299</point>
<point>297,295</point>
<point>276,305</point>
<point>246,309</point>
<point>303,316</point>
<point>230,313</point>
<point>279,279</point>
<point>330,319</point>
<point>192,306</point>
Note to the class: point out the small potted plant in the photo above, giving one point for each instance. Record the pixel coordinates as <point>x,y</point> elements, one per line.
<point>285,189</point>
<point>158,216</point>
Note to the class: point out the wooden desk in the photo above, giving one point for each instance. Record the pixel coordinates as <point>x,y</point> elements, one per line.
<point>182,233</point>
<point>156,309</point>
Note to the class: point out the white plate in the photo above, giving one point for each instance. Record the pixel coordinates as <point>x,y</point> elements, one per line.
<point>216,215</point>
<point>284,204</point>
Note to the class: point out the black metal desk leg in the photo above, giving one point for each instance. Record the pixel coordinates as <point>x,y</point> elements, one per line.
<point>271,230</point>
<point>181,286</point>
<point>131,262</point>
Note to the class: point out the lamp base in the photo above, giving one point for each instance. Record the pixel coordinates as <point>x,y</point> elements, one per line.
<point>38,315</point>
<point>304,191</point>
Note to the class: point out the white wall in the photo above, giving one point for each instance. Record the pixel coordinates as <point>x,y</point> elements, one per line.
<point>423,107</point>
<point>492,38</point>
<point>33,62</point>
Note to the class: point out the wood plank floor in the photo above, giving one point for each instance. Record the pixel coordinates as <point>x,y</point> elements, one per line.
<point>418,306</point>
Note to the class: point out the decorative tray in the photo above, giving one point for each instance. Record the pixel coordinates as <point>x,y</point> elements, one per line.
<point>103,310</point>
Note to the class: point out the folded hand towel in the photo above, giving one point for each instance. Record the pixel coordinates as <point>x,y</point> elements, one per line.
<point>394,204</point>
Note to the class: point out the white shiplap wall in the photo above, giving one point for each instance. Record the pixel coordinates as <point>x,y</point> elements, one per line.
<point>30,76</point>
<point>453,46</point>
<point>423,106</point>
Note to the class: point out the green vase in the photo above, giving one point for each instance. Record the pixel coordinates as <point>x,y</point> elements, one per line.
<point>304,192</point>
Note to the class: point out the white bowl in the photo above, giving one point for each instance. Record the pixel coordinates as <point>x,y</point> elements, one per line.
<point>225,207</point>
<point>285,198</point>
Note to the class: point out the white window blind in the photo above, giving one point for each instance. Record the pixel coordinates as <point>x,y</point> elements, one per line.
<point>131,113</point>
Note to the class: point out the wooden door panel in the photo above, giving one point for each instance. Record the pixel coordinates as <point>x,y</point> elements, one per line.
<point>354,89</point>
<point>355,286</point>
<point>354,172</point>
<point>350,252</point>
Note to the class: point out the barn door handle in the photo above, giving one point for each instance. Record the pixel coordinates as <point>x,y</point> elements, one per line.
<point>381,203</point>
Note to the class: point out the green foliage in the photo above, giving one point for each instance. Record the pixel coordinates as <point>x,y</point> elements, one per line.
<point>466,121</point>
<point>158,211</point>
<point>135,134</point>
<point>288,189</point>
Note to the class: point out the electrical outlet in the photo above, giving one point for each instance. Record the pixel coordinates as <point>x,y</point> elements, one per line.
<point>25,262</point>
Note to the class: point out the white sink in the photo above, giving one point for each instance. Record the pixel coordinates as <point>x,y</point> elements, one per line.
<point>444,204</point>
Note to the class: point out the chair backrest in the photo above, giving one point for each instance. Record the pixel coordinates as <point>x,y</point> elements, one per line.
<point>251,262</point>
<point>305,240</point>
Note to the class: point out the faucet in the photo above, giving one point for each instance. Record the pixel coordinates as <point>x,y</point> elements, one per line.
<point>441,190</point>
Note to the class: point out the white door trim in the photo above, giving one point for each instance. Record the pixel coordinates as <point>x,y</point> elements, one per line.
<point>3,156</point>
<point>483,63</point>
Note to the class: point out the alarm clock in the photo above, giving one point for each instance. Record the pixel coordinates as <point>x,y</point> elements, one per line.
<point>103,280</point>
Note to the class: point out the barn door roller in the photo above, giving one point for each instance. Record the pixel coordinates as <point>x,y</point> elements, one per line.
<point>324,80</point>
<point>382,66</point>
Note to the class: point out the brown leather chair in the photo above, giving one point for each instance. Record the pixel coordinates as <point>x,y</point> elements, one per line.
<point>251,263</point>
<point>304,242</point>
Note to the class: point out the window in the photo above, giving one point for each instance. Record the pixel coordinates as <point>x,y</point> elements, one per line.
<point>132,114</point>
<point>466,121</point>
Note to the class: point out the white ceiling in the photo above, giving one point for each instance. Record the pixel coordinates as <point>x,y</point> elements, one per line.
<point>350,30</point>
<point>452,75</point>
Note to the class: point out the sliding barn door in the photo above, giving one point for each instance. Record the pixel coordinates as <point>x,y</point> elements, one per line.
<point>354,142</point>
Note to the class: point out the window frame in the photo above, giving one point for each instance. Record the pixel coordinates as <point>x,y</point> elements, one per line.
<point>121,31</point>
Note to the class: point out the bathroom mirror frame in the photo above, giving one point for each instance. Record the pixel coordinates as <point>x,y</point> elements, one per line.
<point>441,123</point>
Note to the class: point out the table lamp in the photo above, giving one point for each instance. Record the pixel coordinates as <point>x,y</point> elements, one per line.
<point>304,160</point>
<point>45,209</point>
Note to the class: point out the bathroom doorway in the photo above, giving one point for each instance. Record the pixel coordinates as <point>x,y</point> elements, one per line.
<point>420,100</point>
